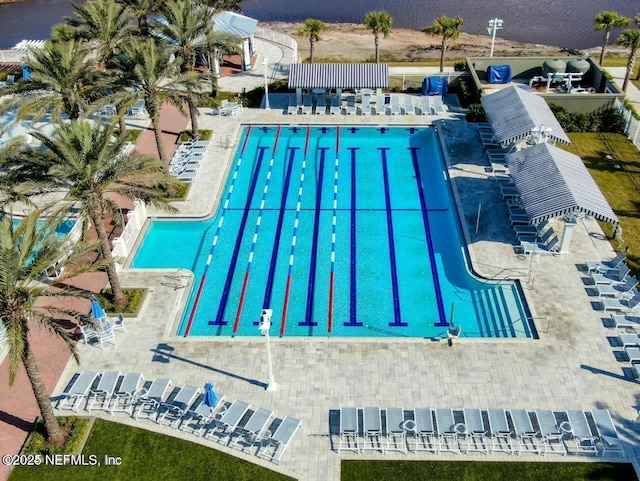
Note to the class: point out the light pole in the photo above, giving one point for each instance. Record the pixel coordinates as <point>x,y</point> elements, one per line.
<point>265,324</point>
<point>494,25</point>
<point>265,62</point>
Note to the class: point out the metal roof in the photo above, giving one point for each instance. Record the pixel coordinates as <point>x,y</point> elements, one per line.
<point>553,182</point>
<point>231,22</point>
<point>513,113</point>
<point>344,76</point>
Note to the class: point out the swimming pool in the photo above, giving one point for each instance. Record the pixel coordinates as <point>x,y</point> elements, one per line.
<point>330,228</point>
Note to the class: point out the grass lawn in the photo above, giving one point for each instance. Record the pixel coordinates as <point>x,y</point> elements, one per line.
<point>621,186</point>
<point>148,456</point>
<point>484,471</point>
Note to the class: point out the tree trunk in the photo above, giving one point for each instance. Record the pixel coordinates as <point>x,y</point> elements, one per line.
<point>311,45</point>
<point>443,49</point>
<point>155,117</point>
<point>377,42</point>
<point>97,217</point>
<point>193,113</point>
<point>123,125</point>
<point>605,41</point>
<point>54,433</point>
<point>630,63</point>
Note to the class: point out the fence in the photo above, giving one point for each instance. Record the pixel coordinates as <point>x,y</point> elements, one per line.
<point>278,38</point>
<point>135,220</point>
<point>631,124</point>
<point>413,81</point>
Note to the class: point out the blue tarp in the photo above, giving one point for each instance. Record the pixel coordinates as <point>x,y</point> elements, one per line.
<point>499,74</point>
<point>26,71</point>
<point>435,86</point>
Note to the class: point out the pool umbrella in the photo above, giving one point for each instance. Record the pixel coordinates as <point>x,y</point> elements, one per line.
<point>210,398</point>
<point>97,312</point>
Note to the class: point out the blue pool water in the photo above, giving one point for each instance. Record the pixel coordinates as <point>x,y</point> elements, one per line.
<point>62,230</point>
<point>350,212</point>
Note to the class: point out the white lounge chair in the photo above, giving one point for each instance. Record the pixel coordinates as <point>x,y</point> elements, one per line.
<point>499,431</point>
<point>607,433</point>
<point>628,340</point>
<point>438,105</point>
<point>395,105</point>
<point>125,396</point>
<point>425,105</point>
<point>293,109</point>
<point>550,248</point>
<point>523,427</point>
<point>372,429</point>
<point>550,433</point>
<point>447,432</point>
<point>612,276</point>
<point>100,397</point>
<point>276,445</point>
<point>611,264</point>
<point>252,433</point>
<point>365,108</point>
<point>149,402</point>
<point>380,105</point>
<point>624,305</point>
<point>200,414</point>
<point>585,441</point>
<point>77,391</point>
<point>622,320</point>
<point>423,431</point>
<point>223,427</point>
<point>474,437</point>
<point>173,409</point>
<point>408,108</point>
<point>626,290</point>
<point>395,431</point>
<point>349,433</point>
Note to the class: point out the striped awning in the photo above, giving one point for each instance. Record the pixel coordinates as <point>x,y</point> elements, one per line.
<point>514,113</point>
<point>553,182</point>
<point>339,76</point>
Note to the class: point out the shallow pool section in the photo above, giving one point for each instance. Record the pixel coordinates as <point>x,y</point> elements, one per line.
<point>346,232</point>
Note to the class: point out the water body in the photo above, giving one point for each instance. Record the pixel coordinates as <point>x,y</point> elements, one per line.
<point>565,23</point>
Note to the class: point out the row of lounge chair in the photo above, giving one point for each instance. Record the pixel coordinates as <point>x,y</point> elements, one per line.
<point>186,160</point>
<point>428,105</point>
<point>515,431</point>
<point>188,409</point>
<point>616,289</point>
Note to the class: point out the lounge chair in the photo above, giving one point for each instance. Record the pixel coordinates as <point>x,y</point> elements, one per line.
<point>394,107</point>
<point>372,429</point>
<point>474,437</point>
<point>531,229</point>
<point>365,108</point>
<point>544,239</point>
<point>276,445</point>
<point>523,428</point>
<point>408,108</point>
<point>307,106</point>
<point>103,392</point>
<point>499,168</point>
<point>624,305</point>
<point>380,105</point>
<point>447,432</point>
<point>350,108</point>
<point>612,276</point>
<point>550,248</point>
<point>200,414</point>
<point>619,291</point>
<point>223,427</point>
<point>334,110</point>
<point>585,441</point>
<point>252,432</point>
<point>633,354</point>
<point>550,433</point>
<point>622,320</point>
<point>125,396</point>
<point>293,109</point>
<point>612,264</point>
<point>607,433</point>
<point>396,433</point>
<point>628,340</point>
<point>438,105</point>
<point>349,433</point>
<point>173,409</point>
<point>77,391</point>
<point>149,402</point>
<point>499,431</point>
<point>423,431</point>
<point>425,105</point>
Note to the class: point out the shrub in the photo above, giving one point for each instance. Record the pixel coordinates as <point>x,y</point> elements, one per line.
<point>476,113</point>
<point>135,297</point>
<point>74,429</point>
<point>604,120</point>
<point>460,66</point>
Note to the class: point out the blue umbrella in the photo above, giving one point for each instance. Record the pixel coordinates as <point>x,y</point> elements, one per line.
<point>210,398</point>
<point>97,312</point>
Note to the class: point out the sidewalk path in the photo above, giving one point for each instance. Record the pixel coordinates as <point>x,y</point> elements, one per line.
<point>172,122</point>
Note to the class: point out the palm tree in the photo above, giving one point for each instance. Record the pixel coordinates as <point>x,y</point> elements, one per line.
<point>63,80</point>
<point>184,24</point>
<point>448,28</point>
<point>92,165</point>
<point>379,23</point>
<point>151,67</point>
<point>104,24</point>
<point>220,44</point>
<point>312,29</point>
<point>26,251</point>
<point>631,40</point>
<point>141,10</point>
<point>607,21</point>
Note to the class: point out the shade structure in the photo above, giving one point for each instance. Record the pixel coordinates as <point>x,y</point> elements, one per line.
<point>514,113</point>
<point>552,182</point>
<point>338,76</point>
<point>210,397</point>
<point>234,23</point>
<point>97,312</point>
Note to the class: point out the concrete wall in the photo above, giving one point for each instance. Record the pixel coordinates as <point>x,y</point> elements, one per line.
<point>524,68</point>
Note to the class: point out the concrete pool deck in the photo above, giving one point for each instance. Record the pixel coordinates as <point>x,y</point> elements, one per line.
<point>574,365</point>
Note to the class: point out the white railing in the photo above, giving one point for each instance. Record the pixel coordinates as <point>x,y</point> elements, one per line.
<point>279,38</point>
<point>631,124</point>
<point>135,220</point>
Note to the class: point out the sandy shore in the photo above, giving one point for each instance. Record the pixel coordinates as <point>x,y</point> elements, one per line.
<point>353,42</point>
